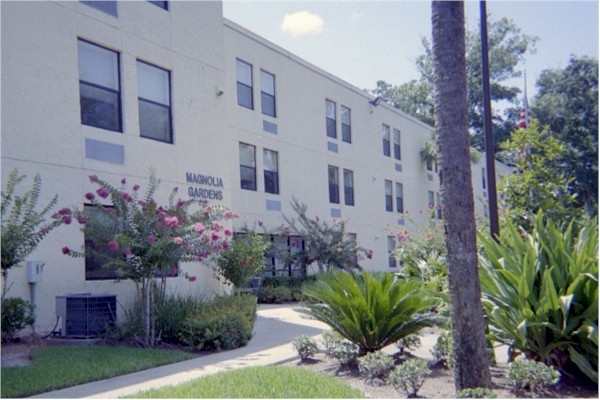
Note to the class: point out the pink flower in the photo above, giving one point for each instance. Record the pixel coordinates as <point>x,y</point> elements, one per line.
<point>66,250</point>
<point>45,230</point>
<point>127,251</point>
<point>174,270</point>
<point>214,235</point>
<point>102,192</point>
<point>228,232</point>
<point>136,187</point>
<point>171,222</point>
<point>64,211</point>
<point>192,278</point>
<point>126,196</point>
<point>225,245</point>
<point>90,196</point>
<point>112,245</point>
<point>67,219</point>
<point>260,223</point>
<point>369,254</point>
<point>177,240</point>
<point>199,228</point>
<point>123,181</point>
<point>93,178</point>
<point>151,239</point>
<point>208,208</point>
<point>217,226</point>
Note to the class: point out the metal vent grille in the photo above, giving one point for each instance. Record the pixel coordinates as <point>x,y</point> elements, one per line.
<point>86,315</point>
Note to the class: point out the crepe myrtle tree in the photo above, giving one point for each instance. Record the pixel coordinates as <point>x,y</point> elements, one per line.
<point>23,224</point>
<point>141,240</point>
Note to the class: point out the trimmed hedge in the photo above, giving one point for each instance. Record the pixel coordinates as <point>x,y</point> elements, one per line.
<point>223,324</point>
<point>283,289</point>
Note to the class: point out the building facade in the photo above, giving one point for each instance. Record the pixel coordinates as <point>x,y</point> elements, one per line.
<point>116,89</point>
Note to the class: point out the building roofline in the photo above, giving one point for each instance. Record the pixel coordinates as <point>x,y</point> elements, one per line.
<point>274,47</point>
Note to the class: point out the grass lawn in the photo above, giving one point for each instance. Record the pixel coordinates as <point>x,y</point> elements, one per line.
<point>64,366</point>
<point>271,382</point>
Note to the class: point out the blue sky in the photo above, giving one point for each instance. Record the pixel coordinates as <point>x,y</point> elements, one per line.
<point>364,41</point>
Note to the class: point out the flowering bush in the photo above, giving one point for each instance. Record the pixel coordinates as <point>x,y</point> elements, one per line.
<point>139,239</point>
<point>244,259</point>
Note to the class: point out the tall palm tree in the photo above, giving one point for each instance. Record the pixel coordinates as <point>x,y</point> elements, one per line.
<point>452,127</point>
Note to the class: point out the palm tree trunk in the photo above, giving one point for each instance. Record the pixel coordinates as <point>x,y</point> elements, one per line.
<point>451,124</point>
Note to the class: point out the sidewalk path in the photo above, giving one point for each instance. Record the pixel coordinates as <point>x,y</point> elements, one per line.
<point>274,329</point>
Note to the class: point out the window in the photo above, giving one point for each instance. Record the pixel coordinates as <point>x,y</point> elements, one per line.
<point>483,177</point>
<point>389,205</point>
<point>391,244</point>
<point>334,186</point>
<point>330,119</point>
<point>385,133</point>
<point>267,93</point>
<point>348,187</point>
<point>162,4</point>
<point>429,164</point>
<point>346,131</point>
<point>277,256</point>
<point>438,205</point>
<point>247,166</point>
<point>99,86</point>
<point>271,171</point>
<point>430,199</point>
<point>107,7</point>
<point>399,198</point>
<point>397,155</point>
<point>154,99</point>
<point>244,84</point>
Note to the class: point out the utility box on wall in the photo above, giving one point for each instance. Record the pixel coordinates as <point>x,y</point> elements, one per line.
<point>86,315</point>
<point>34,271</point>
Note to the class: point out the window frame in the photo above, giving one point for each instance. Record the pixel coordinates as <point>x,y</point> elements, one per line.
<point>389,199</point>
<point>160,4</point>
<point>348,189</point>
<point>244,85</point>
<point>399,197</point>
<point>264,95</point>
<point>271,175</point>
<point>117,120</point>
<point>334,185</point>
<point>168,138</point>
<point>331,121</point>
<point>391,245</point>
<point>385,137</point>
<point>244,167</point>
<point>346,125</point>
<point>396,144</point>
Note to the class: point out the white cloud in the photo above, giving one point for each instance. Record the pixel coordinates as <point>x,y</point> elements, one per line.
<point>302,23</point>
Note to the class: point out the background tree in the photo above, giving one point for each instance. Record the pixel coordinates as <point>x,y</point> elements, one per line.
<point>326,244</point>
<point>507,46</point>
<point>567,101</point>
<point>23,226</point>
<point>539,181</point>
<point>452,127</point>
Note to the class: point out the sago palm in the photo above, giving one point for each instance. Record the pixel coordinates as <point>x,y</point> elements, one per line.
<point>371,310</point>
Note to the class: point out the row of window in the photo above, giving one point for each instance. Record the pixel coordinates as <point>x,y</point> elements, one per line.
<point>248,169</point>
<point>100,93</point>
<point>389,196</point>
<point>110,7</point>
<point>388,145</point>
<point>245,89</point>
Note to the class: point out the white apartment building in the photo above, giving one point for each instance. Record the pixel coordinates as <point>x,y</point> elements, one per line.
<point>114,89</point>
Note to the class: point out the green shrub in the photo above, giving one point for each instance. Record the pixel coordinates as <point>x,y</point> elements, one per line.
<point>244,259</point>
<point>442,351</point>
<point>409,376</point>
<point>530,375</point>
<point>278,295</point>
<point>540,291</point>
<point>476,393</point>
<point>409,342</point>
<point>16,315</point>
<point>375,366</point>
<point>371,310</point>
<point>305,346</point>
<point>339,348</point>
<point>223,324</point>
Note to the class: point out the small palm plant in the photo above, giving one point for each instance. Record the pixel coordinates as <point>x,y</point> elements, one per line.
<point>371,310</point>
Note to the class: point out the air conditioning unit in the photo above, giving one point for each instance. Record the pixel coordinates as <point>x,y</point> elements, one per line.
<point>86,315</point>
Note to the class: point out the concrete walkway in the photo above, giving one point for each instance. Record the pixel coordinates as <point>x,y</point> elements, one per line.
<point>274,329</point>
